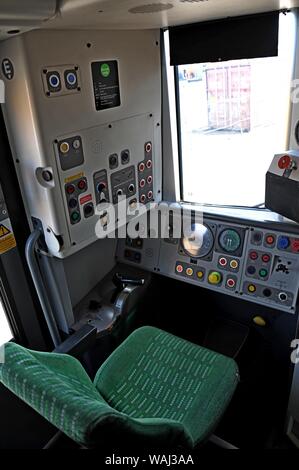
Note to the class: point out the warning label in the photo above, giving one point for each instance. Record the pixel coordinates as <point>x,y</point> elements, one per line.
<point>7,238</point>
<point>4,231</point>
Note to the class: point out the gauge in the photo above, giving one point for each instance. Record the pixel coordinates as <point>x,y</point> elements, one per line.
<point>198,241</point>
<point>230,240</point>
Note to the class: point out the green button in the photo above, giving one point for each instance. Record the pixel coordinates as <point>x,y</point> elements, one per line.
<point>75,216</point>
<point>263,273</point>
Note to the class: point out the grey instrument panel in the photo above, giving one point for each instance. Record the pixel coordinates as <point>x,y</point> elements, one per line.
<point>256,264</point>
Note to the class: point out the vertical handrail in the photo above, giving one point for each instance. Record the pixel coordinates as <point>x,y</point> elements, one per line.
<point>40,287</point>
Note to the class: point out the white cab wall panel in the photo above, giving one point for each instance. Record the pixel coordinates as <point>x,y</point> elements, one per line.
<point>35,120</point>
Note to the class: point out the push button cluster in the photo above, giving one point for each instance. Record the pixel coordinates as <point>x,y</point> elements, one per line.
<point>73,192</point>
<point>145,175</point>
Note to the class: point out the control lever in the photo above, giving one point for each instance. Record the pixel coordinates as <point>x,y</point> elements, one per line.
<point>125,287</point>
<point>121,281</point>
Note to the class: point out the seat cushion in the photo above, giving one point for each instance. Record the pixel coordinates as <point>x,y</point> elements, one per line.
<point>155,376</point>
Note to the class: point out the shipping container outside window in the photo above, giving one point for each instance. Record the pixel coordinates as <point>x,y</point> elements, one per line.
<point>234,116</point>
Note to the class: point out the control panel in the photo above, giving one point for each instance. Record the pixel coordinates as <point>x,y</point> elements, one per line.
<point>112,176</point>
<point>256,264</point>
<point>92,141</point>
<point>282,185</point>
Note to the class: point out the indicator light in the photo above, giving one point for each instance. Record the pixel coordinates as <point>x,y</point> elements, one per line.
<point>270,240</point>
<point>234,264</point>
<point>251,270</point>
<point>54,80</point>
<point>231,283</point>
<point>215,278</point>
<point>253,255</point>
<point>64,147</point>
<point>179,268</point>
<point>73,203</point>
<point>257,237</point>
<point>251,288</point>
<point>283,243</point>
<point>148,147</point>
<point>263,273</point>
<point>82,185</point>
<point>75,216</point>
<point>266,258</point>
<point>70,189</point>
<point>285,162</point>
<point>71,78</point>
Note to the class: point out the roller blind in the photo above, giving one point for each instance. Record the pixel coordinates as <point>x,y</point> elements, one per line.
<point>242,37</point>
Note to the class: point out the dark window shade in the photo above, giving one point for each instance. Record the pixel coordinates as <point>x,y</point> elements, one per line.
<point>242,37</point>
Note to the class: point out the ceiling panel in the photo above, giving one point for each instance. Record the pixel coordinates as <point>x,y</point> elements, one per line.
<point>137,14</point>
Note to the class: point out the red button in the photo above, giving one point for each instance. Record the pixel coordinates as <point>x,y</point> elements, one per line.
<point>82,185</point>
<point>223,261</point>
<point>70,189</point>
<point>179,268</point>
<point>253,255</point>
<point>285,162</point>
<point>266,258</point>
<point>231,283</point>
<point>270,240</point>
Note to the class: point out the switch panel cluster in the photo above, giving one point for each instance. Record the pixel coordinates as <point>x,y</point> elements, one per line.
<point>61,80</point>
<point>74,190</point>
<point>123,184</point>
<point>70,152</point>
<point>145,175</point>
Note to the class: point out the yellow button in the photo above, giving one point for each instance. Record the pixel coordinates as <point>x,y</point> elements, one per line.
<point>260,321</point>
<point>189,272</point>
<point>215,278</point>
<point>64,147</point>
<point>251,288</point>
<point>200,274</point>
<point>234,264</point>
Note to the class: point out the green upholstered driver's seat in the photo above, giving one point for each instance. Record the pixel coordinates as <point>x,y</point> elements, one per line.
<point>154,387</point>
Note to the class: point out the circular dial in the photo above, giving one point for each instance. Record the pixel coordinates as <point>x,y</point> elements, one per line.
<point>230,241</point>
<point>198,241</point>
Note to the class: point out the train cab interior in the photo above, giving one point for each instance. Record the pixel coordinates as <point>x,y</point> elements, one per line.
<point>149,237</point>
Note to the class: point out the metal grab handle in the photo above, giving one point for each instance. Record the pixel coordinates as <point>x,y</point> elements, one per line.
<point>40,287</point>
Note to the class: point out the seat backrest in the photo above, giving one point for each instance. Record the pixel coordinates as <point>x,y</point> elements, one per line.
<point>58,388</point>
